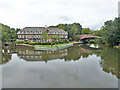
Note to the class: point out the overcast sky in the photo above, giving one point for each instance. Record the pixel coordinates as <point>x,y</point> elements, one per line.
<point>29,13</point>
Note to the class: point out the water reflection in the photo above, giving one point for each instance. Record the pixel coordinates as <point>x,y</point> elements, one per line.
<point>109,61</point>
<point>108,56</point>
<point>68,54</point>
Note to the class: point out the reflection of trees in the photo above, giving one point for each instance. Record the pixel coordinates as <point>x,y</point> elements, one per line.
<point>85,55</point>
<point>30,54</point>
<point>109,61</point>
<point>68,54</point>
<point>109,56</point>
<point>73,53</point>
<point>6,56</point>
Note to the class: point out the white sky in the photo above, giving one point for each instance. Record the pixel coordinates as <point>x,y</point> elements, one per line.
<point>29,13</point>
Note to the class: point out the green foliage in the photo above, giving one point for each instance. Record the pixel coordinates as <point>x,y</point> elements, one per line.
<point>47,43</point>
<point>86,31</point>
<point>55,38</point>
<point>70,39</point>
<point>32,43</point>
<point>20,42</point>
<point>77,37</point>
<point>99,32</point>
<point>8,33</point>
<point>45,36</point>
<point>112,32</point>
<point>65,41</point>
<point>61,41</point>
<point>72,29</point>
<point>39,43</point>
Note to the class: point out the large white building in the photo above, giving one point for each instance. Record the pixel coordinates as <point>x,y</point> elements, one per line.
<point>37,34</point>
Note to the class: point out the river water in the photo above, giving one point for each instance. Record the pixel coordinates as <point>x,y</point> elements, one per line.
<point>80,66</point>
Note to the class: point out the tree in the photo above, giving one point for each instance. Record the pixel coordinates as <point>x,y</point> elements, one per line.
<point>6,33</point>
<point>112,32</point>
<point>77,37</point>
<point>55,38</point>
<point>45,36</point>
<point>86,31</point>
<point>72,29</point>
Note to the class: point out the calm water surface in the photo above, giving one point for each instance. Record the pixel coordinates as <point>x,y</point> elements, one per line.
<point>80,66</point>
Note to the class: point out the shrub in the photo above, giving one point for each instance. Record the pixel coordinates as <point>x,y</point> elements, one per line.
<point>53,43</point>
<point>70,39</point>
<point>65,41</point>
<point>47,43</point>
<point>26,42</point>
<point>77,37</point>
<point>20,42</point>
<point>32,43</point>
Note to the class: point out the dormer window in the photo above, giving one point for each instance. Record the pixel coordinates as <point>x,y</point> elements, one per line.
<point>47,30</point>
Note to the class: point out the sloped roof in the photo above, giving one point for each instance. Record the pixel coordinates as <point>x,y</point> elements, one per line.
<point>42,29</point>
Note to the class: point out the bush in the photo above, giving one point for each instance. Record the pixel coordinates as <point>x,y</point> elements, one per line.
<point>32,43</point>
<point>20,42</point>
<point>65,41</point>
<point>26,42</point>
<point>39,43</point>
<point>47,43</point>
<point>77,37</point>
<point>53,43</point>
<point>61,42</point>
<point>70,39</point>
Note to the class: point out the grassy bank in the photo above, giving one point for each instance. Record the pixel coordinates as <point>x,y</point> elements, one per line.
<point>118,47</point>
<point>57,45</point>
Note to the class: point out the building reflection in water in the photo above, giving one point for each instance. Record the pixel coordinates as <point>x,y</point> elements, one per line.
<point>72,53</point>
<point>109,56</point>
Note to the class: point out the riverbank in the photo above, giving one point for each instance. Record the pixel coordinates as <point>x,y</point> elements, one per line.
<point>117,47</point>
<point>48,47</point>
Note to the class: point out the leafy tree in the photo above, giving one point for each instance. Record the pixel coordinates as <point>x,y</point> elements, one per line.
<point>77,37</point>
<point>72,29</point>
<point>45,36</point>
<point>8,33</point>
<point>55,38</point>
<point>86,31</point>
<point>112,32</point>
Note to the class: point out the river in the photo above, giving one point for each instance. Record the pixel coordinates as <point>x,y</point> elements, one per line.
<point>80,66</point>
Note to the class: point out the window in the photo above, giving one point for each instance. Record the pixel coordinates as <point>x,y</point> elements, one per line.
<point>35,36</point>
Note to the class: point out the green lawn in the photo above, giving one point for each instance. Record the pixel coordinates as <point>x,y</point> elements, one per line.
<point>58,45</point>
